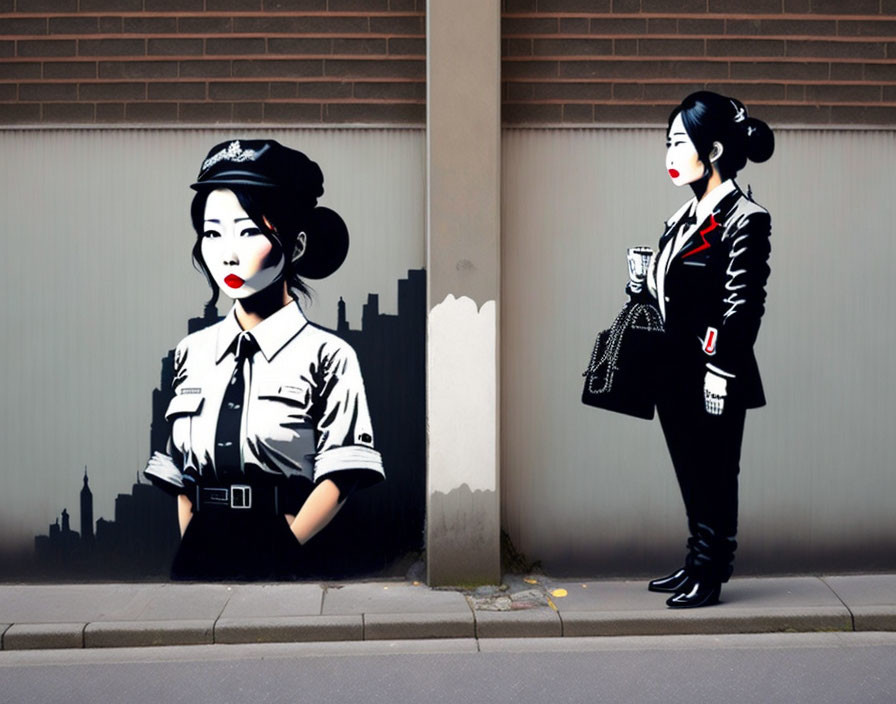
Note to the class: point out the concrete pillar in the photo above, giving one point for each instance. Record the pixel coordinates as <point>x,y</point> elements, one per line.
<point>463,235</point>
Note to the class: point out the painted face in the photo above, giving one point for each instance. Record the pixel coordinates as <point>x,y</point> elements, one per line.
<point>239,256</point>
<point>682,162</point>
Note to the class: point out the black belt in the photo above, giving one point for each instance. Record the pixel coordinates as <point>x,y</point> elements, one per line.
<point>238,498</point>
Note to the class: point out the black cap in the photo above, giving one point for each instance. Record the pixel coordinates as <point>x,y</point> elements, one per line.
<point>260,162</point>
<point>265,163</point>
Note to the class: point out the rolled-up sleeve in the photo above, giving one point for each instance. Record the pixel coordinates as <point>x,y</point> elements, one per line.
<point>178,405</point>
<point>344,431</point>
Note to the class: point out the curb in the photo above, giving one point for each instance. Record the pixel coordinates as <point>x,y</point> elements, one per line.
<point>532,623</point>
<point>38,617</point>
<point>876,618</point>
<point>540,622</point>
<point>139,634</point>
<point>33,636</point>
<point>418,626</point>
<point>289,629</point>
<point>699,622</point>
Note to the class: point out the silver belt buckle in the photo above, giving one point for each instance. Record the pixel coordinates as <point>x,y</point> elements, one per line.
<point>240,496</point>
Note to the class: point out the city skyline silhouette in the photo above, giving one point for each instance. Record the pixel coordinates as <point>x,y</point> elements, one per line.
<point>378,529</point>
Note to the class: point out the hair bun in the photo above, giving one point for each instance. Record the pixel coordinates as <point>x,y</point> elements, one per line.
<point>760,140</point>
<point>326,243</point>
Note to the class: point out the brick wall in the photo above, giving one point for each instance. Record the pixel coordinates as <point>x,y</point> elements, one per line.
<point>363,61</point>
<point>212,61</point>
<point>631,61</point>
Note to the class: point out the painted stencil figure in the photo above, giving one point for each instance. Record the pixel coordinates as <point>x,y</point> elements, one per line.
<point>270,431</point>
<point>708,277</point>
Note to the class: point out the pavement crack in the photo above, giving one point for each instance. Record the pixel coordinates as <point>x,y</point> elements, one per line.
<point>229,592</point>
<point>852,618</point>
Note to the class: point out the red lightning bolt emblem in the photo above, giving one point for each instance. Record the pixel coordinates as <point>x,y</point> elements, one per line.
<point>712,226</point>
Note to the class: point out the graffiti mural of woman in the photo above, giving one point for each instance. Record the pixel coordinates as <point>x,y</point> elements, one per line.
<point>708,278</point>
<point>270,431</point>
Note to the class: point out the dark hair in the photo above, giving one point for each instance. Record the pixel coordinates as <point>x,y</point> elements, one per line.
<point>709,117</point>
<point>260,204</point>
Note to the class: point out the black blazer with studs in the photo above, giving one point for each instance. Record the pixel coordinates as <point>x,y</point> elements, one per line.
<point>717,282</point>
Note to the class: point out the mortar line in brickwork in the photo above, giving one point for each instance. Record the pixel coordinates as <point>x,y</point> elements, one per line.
<point>223,101</point>
<point>388,80</point>
<point>673,102</point>
<point>269,101</point>
<point>509,126</point>
<point>158,58</point>
<point>229,101</point>
<point>721,36</point>
<point>807,17</point>
<point>170,125</point>
<point>93,36</point>
<point>566,58</point>
<point>726,81</point>
<point>150,14</point>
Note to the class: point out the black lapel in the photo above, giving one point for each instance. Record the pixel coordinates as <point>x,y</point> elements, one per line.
<point>667,233</point>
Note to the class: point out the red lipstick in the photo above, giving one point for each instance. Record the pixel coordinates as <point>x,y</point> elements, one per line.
<point>674,173</point>
<point>233,281</point>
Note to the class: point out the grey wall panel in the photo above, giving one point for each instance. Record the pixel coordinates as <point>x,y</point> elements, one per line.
<point>589,492</point>
<point>97,285</point>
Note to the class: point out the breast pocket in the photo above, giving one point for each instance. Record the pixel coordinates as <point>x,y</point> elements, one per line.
<point>698,270</point>
<point>699,259</point>
<point>280,425</point>
<point>284,405</point>
<point>298,397</point>
<point>182,409</point>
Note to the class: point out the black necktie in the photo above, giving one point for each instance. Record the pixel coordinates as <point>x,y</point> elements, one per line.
<point>687,221</point>
<point>228,465</point>
<point>684,222</point>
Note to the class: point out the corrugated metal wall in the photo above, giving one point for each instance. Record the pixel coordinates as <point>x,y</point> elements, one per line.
<point>97,285</point>
<point>590,492</point>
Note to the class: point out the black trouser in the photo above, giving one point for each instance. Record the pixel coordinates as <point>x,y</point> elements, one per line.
<point>705,451</point>
<point>228,544</point>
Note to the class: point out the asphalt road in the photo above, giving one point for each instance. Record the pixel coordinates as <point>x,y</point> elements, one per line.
<point>835,668</point>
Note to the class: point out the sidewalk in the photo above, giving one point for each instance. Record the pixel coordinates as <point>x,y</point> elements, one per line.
<point>134,615</point>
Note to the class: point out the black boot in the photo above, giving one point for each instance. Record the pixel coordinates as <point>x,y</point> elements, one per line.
<point>709,563</point>
<point>710,554</point>
<point>671,583</point>
<point>702,592</point>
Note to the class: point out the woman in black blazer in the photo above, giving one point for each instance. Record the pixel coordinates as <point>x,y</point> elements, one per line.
<point>708,277</point>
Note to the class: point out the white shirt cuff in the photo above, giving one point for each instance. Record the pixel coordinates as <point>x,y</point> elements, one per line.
<point>715,370</point>
<point>338,459</point>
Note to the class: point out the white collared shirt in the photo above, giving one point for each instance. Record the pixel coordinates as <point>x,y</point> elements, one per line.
<point>673,247</point>
<point>305,410</point>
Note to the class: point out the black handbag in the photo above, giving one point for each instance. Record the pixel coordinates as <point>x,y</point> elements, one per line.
<point>622,375</point>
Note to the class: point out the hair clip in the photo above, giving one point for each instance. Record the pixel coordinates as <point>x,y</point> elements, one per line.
<point>740,113</point>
